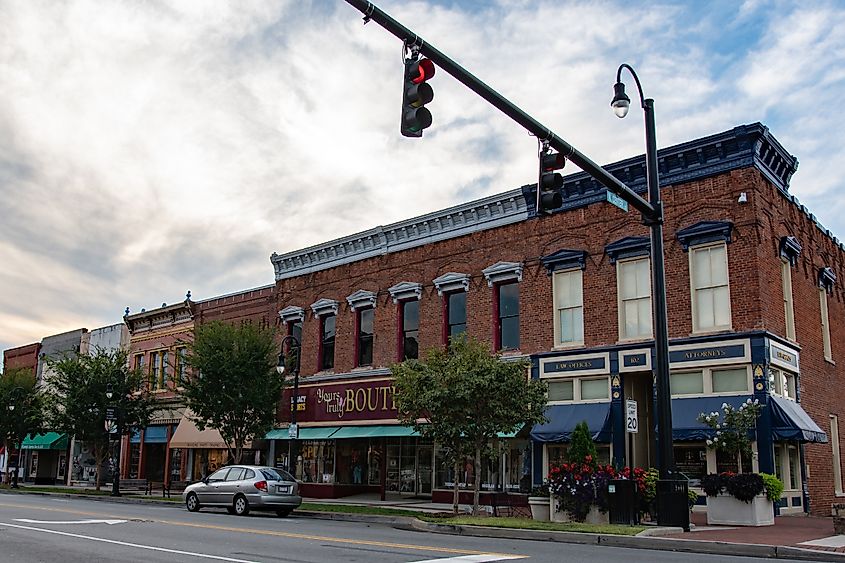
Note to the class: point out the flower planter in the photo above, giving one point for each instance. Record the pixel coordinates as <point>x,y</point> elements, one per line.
<point>594,516</point>
<point>540,508</point>
<point>725,509</point>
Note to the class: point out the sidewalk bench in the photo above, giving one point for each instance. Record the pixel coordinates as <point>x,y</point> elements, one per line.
<point>133,484</point>
<point>166,490</point>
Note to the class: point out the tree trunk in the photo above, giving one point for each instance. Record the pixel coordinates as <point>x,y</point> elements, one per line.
<point>477,485</point>
<point>456,494</point>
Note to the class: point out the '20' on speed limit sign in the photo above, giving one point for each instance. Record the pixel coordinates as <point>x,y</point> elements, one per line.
<point>632,424</point>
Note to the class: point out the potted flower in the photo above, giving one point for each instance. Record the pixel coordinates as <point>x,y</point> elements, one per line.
<point>738,499</point>
<point>538,500</point>
<point>735,499</point>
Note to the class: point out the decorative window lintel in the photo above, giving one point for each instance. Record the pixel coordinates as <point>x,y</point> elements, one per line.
<point>450,282</point>
<point>405,290</point>
<point>324,307</point>
<point>628,247</point>
<point>292,313</point>
<point>704,232</point>
<point>565,259</point>
<point>503,272</point>
<point>362,299</point>
<point>827,278</point>
<point>790,249</point>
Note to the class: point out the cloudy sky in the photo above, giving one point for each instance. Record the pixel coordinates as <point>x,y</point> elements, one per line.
<point>151,147</point>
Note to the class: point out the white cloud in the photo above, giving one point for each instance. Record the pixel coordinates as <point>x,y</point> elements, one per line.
<point>150,148</point>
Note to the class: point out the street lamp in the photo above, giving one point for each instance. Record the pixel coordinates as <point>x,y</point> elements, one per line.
<point>15,394</point>
<point>113,413</point>
<point>295,347</point>
<point>670,491</point>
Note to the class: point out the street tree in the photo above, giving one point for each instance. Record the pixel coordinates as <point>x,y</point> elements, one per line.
<point>76,394</point>
<point>235,388</point>
<point>463,397</point>
<point>21,408</point>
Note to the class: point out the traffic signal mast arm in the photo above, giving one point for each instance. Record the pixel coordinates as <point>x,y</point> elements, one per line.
<point>374,13</point>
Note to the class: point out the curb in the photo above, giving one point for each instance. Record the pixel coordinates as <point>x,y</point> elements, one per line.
<point>636,542</point>
<point>102,498</point>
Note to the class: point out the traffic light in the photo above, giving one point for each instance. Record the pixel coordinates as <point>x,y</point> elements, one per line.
<point>550,182</point>
<point>415,94</point>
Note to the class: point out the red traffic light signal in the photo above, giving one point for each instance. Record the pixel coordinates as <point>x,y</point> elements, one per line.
<point>415,94</point>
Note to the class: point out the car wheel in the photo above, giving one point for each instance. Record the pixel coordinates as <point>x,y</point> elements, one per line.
<point>241,505</point>
<point>192,503</point>
<point>283,512</point>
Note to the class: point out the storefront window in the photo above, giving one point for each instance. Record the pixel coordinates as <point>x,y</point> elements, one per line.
<point>374,457</point>
<point>317,465</point>
<point>175,464</point>
<point>726,462</point>
<point>687,383</point>
<point>134,460</point>
<point>351,462</point>
<point>517,465</point>
<point>730,380</point>
<point>794,469</point>
<point>691,460</point>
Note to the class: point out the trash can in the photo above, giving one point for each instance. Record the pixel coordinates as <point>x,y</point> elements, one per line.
<point>622,501</point>
<point>673,503</point>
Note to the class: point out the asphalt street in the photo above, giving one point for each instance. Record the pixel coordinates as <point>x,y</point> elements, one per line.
<point>42,528</point>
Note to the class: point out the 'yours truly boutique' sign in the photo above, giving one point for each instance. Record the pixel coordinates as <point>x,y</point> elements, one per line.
<point>354,400</point>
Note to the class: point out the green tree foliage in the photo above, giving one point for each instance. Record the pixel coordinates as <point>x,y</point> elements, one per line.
<point>17,387</point>
<point>76,395</point>
<point>582,449</point>
<point>235,388</point>
<point>464,397</point>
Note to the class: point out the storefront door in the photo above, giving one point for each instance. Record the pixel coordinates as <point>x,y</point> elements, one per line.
<point>425,466</point>
<point>639,447</point>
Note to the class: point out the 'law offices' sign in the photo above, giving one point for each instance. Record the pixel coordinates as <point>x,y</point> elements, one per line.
<point>357,400</point>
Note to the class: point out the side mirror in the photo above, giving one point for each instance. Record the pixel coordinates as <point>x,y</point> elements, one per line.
<point>204,480</point>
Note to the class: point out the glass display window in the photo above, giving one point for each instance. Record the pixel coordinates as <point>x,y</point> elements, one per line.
<point>316,461</point>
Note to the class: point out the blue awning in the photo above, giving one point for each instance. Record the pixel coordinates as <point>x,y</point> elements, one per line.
<point>685,425</point>
<point>791,422</point>
<point>564,418</point>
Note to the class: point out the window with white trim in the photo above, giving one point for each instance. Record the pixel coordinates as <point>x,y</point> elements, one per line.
<point>783,384</point>
<point>711,299</point>
<point>633,278</point>
<point>711,381</point>
<point>825,321</point>
<point>569,307</point>
<point>837,460</point>
<point>788,308</point>
<point>574,389</point>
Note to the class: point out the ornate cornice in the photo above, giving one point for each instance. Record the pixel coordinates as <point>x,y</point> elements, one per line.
<point>161,317</point>
<point>790,249</point>
<point>741,147</point>
<point>292,313</point>
<point>827,277</point>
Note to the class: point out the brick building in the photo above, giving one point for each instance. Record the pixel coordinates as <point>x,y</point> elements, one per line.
<point>751,282</point>
<point>172,448</point>
<point>22,357</point>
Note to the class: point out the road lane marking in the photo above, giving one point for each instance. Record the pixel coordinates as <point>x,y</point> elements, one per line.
<point>128,544</point>
<point>109,522</point>
<point>474,558</point>
<point>292,535</point>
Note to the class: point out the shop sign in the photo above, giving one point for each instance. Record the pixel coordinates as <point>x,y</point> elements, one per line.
<point>713,354</point>
<point>355,400</point>
<point>576,365</point>
<point>783,357</point>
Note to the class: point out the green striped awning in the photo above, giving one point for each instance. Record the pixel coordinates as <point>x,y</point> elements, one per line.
<point>46,441</point>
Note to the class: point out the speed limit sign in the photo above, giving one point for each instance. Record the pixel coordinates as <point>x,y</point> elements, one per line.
<point>632,423</point>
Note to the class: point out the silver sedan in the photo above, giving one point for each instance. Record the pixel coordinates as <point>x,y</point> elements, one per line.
<point>241,488</point>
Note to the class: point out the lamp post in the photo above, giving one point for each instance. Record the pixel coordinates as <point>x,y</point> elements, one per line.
<point>295,346</point>
<point>115,413</point>
<point>15,394</point>
<point>672,513</point>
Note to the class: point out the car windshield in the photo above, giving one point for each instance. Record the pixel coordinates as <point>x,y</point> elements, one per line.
<point>276,474</point>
